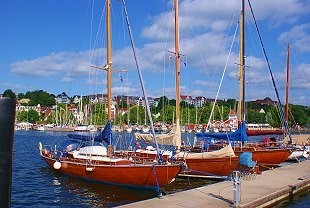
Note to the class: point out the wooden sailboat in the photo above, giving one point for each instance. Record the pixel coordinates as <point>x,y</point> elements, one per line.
<point>299,151</point>
<point>208,164</point>
<point>263,131</point>
<point>262,155</point>
<point>99,163</point>
<point>173,137</point>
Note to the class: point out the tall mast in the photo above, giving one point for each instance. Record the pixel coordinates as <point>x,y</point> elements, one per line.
<point>287,81</point>
<point>177,62</point>
<point>109,59</point>
<point>241,105</point>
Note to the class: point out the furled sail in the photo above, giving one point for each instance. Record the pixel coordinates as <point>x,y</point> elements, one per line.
<point>224,152</point>
<point>171,138</point>
<point>105,135</point>
<point>238,135</point>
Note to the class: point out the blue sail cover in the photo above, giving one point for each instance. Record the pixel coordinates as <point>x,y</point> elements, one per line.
<point>238,135</point>
<point>105,135</point>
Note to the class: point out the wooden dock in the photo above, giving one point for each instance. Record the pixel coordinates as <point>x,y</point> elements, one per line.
<point>264,190</point>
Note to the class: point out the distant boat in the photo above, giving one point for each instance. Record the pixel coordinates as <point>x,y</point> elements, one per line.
<point>262,129</point>
<point>85,128</point>
<point>41,128</point>
<point>99,163</point>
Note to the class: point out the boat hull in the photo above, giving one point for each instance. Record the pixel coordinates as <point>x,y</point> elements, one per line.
<point>211,166</point>
<point>267,156</point>
<point>121,174</point>
<point>257,132</point>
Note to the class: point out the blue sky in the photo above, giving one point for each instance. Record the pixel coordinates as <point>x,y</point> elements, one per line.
<point>50,45</point>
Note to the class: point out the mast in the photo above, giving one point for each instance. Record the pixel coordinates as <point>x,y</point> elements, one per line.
<point>287,82</point>
<point>177,68</point>
<point>241,105</point>
<point>108,68</point>
<point>109,59</point>
<point>177,61</point>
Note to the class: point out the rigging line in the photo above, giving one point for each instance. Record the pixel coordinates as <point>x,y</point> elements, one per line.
<point>230,26</point>
<point>93,45</point>
<point>218,90</point>
<point>166,43</point>
<point>90,40</point>
<point>271,74</point>
<point>78,44</point>
<point>142,83</point>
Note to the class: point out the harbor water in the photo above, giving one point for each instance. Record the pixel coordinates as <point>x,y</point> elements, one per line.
<point>36,185</point>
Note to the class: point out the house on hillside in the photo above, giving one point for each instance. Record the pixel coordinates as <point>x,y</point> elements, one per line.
<point>63,98</point>
<point>200,101</point>
<point>188,99</point>
<point>266,101</point>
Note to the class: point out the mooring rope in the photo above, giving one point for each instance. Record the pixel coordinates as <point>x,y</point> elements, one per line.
<point>157,184</point>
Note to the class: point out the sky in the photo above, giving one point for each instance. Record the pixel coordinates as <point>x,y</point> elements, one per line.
<point>50,45</point>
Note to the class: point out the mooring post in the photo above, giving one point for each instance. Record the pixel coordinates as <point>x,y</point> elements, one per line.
<point>236,180</point>
<point>7,119</point>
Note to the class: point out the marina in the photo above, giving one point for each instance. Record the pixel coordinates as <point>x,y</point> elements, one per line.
<point>36,185</point>
<point>169,137</point>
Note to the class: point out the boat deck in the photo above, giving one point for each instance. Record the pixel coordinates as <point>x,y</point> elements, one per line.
<point>263,190</point>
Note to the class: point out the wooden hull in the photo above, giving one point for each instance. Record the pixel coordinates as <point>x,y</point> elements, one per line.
<point>267,156</point>
<point>257,132</point>
<point>211,166</point>
<point>121,174</point>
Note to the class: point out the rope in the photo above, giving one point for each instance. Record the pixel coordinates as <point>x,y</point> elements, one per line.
<point>218,91</point>
<point>271,74</point>
<point>207,173</point>
<point>141,81</point>
<point>157,185</point>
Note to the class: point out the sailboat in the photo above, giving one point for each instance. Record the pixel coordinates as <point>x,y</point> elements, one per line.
<point>262,155</point>
<point>299,151</point>
<point>98,162</point>
<point>210,164</point>
<point>173,137</point>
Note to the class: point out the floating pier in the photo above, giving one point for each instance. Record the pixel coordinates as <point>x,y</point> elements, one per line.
<point>264,190</point>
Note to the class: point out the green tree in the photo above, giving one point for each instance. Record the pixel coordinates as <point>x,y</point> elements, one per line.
<point>253,116</point>
<point>20,95</point>
<point>50,119</point>
<point>40,97</point>
<point>31,116</point>
<point>272,117</point>
<point>299,115</point>
<point>163,101</point>
<point>9,93</point>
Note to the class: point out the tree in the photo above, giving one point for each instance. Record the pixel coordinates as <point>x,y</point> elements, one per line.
<point>20,95</point>
<point>272,117</point>
<point>163,101</point>
<point>9,93</point>
<point>253,116</point>
<point>299,115</point>
<point>40,97</point>
<point>31,116</point>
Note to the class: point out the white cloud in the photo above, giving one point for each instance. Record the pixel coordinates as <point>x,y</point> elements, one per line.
<point>205,37</point>
<point>299,36</point>
<point>53,64</point>
<point>279,12</point>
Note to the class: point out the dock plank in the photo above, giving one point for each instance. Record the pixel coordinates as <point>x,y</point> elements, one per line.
<point>267,188</point>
